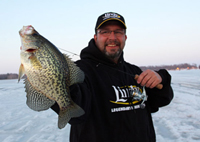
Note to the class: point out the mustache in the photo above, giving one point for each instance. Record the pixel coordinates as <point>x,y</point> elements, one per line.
<point>112,42</point>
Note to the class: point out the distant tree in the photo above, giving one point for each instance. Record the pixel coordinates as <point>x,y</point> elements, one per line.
<point>171,67</point>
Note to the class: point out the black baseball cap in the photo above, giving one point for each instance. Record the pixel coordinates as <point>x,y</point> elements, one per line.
<point>107,17</point>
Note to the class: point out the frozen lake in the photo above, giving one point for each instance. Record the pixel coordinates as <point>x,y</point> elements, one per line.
<point>177,122</point>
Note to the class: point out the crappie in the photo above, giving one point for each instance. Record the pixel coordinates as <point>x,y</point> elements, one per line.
<point>49,74</point>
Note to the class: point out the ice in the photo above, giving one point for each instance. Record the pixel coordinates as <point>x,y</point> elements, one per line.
<point>177,122</point>
<point>18,123</point>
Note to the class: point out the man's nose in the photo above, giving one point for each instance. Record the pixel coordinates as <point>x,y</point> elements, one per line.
<point>112,35</point>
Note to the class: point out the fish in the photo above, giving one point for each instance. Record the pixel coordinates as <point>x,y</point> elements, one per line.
<point>48,75</point>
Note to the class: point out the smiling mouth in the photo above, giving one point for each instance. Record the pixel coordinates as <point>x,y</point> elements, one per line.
<point>112,45</point>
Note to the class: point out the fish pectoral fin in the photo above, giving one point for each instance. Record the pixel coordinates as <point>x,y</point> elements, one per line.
<point>35,62</point>
<point>36,100</point>
<point>65,115</point>
<point>21,72</point>
<point>76,74</point>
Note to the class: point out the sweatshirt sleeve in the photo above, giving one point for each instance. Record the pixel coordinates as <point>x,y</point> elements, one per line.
<point>82,97</point>
<point>160,97</point>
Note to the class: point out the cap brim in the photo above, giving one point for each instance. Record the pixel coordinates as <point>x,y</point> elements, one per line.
<point>109,20</point>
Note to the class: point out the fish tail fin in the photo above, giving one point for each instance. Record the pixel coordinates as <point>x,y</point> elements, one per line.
<point>65,115</point>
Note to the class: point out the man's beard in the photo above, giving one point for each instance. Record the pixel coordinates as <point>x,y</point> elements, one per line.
<point>112,55</point>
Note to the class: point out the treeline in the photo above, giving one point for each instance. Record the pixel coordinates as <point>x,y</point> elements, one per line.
<point>167,67</point>
<point>172,67</point>
<point>9,76</point>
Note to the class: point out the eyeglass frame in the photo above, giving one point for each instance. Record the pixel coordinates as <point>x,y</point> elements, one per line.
<point>109,32</point>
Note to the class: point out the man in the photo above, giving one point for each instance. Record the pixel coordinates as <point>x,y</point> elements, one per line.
<point>115,104</point>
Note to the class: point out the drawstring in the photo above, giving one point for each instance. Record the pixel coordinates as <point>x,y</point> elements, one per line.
<point>98,65</point>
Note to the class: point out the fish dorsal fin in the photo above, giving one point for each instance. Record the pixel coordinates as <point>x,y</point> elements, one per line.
<point>76,74</point>
<point>36,100</point>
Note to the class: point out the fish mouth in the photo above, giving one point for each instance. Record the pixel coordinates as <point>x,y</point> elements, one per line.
<point>27,30</point>
<point>31,50</point>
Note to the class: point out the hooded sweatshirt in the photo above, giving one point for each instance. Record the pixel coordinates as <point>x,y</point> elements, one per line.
<point>112,113</point>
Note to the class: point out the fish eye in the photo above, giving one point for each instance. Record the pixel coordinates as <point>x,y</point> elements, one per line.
<point>34,34</point>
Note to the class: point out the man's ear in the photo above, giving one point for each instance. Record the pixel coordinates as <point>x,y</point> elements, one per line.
<point>95,37</point>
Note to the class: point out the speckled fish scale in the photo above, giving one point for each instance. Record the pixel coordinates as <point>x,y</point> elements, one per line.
<point>49,74</point>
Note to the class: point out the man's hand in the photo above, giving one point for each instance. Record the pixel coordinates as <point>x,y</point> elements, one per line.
<point>149,79</point>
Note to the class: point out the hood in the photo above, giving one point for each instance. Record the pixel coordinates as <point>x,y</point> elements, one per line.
<point>92,52</point>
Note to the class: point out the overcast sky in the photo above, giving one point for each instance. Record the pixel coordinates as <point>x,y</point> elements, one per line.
<point>160,32</point>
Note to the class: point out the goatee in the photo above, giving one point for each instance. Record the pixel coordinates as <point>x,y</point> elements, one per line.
<point>113,55</point>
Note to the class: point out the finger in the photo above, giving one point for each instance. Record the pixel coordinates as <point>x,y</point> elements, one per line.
<point>159,86</point>
<point>151,82</point>
<point>154,82</point>
<point>146,80</point>
<point>141,77</point>
<point>149,78</point>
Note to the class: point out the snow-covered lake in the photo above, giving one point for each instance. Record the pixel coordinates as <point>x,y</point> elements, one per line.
<point>177,122</point>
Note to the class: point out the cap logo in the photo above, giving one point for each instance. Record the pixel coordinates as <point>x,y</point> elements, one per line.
<point>110,15</point>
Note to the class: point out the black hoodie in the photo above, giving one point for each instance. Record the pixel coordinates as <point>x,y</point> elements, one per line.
<point>111,113</point>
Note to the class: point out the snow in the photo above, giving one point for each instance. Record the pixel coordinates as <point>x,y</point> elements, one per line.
<point>177,122</point>
<point>18,123</point>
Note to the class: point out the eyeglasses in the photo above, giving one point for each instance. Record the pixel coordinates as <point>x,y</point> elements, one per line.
<point>107,33</point>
